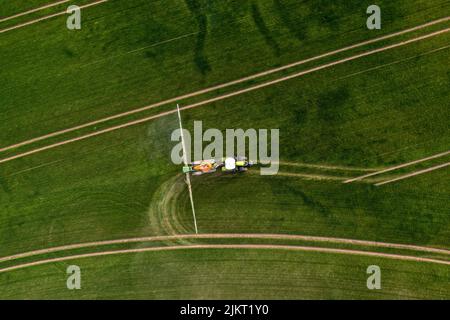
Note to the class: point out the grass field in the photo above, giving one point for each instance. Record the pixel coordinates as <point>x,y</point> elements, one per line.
<point>232,274</point>
<point>109,77</point>
<point>371,113</point>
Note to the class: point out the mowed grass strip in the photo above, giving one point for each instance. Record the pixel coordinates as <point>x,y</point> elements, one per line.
<point>226,274</point>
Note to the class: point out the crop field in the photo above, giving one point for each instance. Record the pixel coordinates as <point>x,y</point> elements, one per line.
<point>87,178</point>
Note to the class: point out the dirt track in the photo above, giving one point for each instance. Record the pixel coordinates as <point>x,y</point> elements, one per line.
<point>439,155</point>
<point>21,25</point>
<point>232,246</point>
<point>229,236</point>
<point>222,97</point>
<point>224,85</point>
<point>415,173</point>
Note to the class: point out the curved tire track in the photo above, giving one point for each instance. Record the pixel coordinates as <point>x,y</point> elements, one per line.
<point>232,246</point>
<point>229,236</point>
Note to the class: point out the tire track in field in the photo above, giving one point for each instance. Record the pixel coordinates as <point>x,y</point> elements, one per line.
<point>227,84</point>
<point>163,207</point>
<point>307,176</point>
<point>310,176</point>
<point>404,165</point>
<point>229,236</point>
<point>232,246</point>
<point>33,10</point>
<point>326,166</point>
<point>21,25</point>
<point>219,98</point>
<point>413,174</point>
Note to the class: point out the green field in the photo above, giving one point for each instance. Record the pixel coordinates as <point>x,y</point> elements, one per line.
<point>374,112</point>
<point>237,274</point>
<point>72,77</point>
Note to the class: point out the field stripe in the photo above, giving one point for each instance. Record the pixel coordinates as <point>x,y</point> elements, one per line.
<point>224,85</point>
<point>416,173</point>
<point>307,176</point>
<point>439,155</point>
<point>231,246</point>
<point>34,10</point>
<point>49,16</point>
<point>226,96</point>
<point>324,166</point>
<point>228,236</point>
